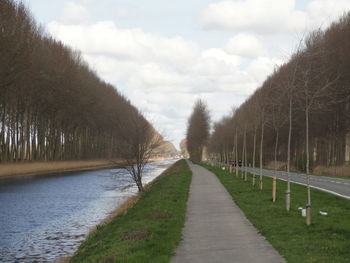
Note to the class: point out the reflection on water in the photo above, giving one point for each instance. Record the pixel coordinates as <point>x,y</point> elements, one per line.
<point>45,217</point>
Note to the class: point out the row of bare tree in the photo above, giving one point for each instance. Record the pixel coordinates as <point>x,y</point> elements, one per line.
<point>53,106</point>
<point>300,115</point>
<point>301,112</point>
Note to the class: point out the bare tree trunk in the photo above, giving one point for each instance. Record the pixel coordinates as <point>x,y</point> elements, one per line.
<point>274,185</point>
<point>276,147</point>
<point>245,155</point>
<point>236,142</point>
<point>137,173</point>
<point>242,158</point>
<point>232,158</point>
<point>254,149</point>
<point>228,161</point>
<point>261,153</point>
<point>288,157</point>
<point>308,205</point>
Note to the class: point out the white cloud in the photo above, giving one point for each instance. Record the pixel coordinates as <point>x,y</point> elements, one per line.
<point>104,38</point>
<point>260,68</point>
<point>271,16</point>
<point>74,13</point>
<point>220,55</point>
<point>245,45</point>
<point>323,12</point>
<point>259,16</point>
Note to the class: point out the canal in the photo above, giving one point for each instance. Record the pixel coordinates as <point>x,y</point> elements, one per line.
<point>44,217</point>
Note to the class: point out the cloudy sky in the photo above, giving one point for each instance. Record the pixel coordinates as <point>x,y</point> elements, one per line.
<point>163,55</point>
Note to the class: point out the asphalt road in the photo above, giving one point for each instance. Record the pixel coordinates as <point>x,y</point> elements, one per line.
<point>336,186</point>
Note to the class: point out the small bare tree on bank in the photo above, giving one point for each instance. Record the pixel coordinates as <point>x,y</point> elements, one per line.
<point>138,140</point>
<point>262,102</point>
<point>198,130</point>
<point>253,112</point>
<point>288,75</point>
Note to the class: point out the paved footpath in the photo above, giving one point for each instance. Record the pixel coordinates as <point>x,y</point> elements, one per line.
<point>216,230</point>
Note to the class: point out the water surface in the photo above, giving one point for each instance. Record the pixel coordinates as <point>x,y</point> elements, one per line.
<point>48,216</point>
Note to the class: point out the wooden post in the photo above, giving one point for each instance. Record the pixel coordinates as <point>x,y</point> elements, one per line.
<point>230,169</point>
<point>274,189</point>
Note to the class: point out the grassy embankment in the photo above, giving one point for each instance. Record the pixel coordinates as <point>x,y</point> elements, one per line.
<point>326,240</point>
<point>150,230</point>
<point>44,167</point>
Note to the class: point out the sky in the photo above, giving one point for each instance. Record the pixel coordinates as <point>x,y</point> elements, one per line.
<point>164,55</point>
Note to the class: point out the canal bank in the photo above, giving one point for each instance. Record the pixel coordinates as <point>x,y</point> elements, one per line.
<point>149,230</point>
<point>129,203</point>
<point>49,167</point>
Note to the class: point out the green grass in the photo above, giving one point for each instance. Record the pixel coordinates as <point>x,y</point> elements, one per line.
<point>326,240</point>
<point>147,232</point>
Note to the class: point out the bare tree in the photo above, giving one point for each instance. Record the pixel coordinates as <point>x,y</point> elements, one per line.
<point>315,85</point>
<point>254,118</point>
<point>288,80</point>
<point>243,149</point>
<point>262,105</point>
<point>138,142</point>
<point>236,146</point>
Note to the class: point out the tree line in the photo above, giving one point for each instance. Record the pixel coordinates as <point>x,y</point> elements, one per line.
<point>53,106</point>
<point>198,129</point>
<point>300,116</point>
<point>300,113</point>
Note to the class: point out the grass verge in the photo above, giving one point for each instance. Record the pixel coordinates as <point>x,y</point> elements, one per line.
<point>150,230</point>
<point>326,240</point>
